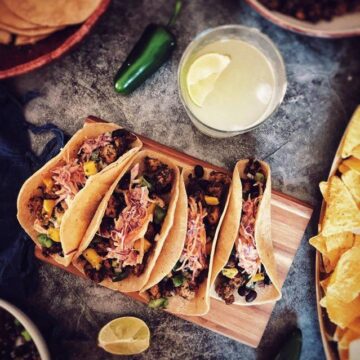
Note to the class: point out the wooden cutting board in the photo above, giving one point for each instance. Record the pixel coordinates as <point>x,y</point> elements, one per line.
<point>290,218</point>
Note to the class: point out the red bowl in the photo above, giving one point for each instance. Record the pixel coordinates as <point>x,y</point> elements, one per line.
<point>16,60</point>
<point>341,26</point>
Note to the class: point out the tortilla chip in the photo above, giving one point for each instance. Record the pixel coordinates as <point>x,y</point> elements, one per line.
<point>342,213</point>
<point>324,283</point>
<point>53,13</point>
<point>352,163</point>
<point>338,334</point>
<point>347,338</point>
<point>355,326</point>
<point>356,152</point>
<point>343,354</point>
<point>357,241</point>
<point>329,259</point>
<point>343,168</point>
<point>323,189</point>
<point>352,181</point>
<point>345,280</point>
<point>5,37</point>
<point>339,241</point>
<point>352,135</point>
<point>341,313</point>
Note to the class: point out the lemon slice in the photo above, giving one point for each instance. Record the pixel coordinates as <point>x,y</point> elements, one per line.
<point>125,336</point>
<point>202,75</point>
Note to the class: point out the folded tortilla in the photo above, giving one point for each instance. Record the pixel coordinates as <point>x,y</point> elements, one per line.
<point>79,214</point>
<point>172,251</point>
<point>132,282</point>
<point>229,233</point>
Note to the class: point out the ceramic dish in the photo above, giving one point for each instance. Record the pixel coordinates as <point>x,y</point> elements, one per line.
<point>341,26</point>
<point>327,328</point>
<point>29,326</point>
<point>16,60</point>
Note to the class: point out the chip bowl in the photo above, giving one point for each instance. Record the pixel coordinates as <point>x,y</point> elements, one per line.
<point>341,26</point>
<point>17,60</point>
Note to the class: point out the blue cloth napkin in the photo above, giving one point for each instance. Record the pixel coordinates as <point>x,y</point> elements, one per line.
<point>17,163</point>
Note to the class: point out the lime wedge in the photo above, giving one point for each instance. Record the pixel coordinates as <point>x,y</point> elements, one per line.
<point>125,336</point>
<point>202,76</point>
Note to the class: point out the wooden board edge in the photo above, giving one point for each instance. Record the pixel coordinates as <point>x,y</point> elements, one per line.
<point>135,296</point>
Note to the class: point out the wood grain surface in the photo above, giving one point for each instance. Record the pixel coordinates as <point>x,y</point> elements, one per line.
<point>245,324</point>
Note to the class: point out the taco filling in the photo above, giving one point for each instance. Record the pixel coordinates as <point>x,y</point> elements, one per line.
<point>132,222</point>
<point>244,272</point>
<point>206,201</point>
<point>67,179</point>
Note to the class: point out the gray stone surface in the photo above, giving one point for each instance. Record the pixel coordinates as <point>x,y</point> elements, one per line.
<point>298,141</point>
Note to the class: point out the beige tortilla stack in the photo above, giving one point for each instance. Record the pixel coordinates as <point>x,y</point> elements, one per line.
<point>229,233</point>
<point>82,209</point>
<point>53,13</point>
<point>133,283</point>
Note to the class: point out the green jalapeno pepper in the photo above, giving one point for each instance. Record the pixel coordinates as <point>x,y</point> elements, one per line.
<point>153,49</point>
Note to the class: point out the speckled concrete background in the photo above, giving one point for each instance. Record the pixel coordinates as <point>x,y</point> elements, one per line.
<point>298,141</point>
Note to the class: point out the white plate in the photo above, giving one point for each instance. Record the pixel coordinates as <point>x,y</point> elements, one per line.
<point>29,326</point>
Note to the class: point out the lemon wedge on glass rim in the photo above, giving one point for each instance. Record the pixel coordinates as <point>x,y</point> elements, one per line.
<point>202,75</point>
<point>125,336</point>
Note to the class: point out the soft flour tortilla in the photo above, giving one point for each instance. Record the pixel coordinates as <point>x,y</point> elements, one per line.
<point>5,37</point>
<point>26,40</point>
<point>229,234</point>
<point>133,283</point>
<point>75,221</point>
<point>53,13</point>
<point>13,23</point>
<point>171,253</point>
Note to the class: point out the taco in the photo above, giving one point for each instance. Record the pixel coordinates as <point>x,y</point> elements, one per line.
<point>50,201</point>
<point>125,237</point>
<point>180,279</point>
<point>244,270</point>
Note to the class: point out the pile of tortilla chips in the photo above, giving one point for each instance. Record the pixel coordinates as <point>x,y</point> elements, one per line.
<point>28,21</point>
<point>339,242</point>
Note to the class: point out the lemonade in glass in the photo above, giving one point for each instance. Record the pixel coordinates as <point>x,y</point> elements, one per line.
<point>231,79</point>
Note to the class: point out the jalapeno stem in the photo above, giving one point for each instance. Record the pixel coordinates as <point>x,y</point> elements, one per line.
<point>175,14</point>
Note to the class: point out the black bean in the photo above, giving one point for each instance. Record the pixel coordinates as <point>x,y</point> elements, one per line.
<point>243,291</point>
<point>199,171</point>
<point>251,296</point>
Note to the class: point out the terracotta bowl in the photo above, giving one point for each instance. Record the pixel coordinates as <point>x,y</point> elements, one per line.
<point>338,27</point>
<point>16,60</point>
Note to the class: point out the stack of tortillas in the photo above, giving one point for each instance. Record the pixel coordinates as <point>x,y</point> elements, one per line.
<point>28,21</point>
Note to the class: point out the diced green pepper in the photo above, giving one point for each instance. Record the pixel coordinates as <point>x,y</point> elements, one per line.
<point>45,241</point>
<point>145,182</point>
<point>158,303</point>
<point>26,335</point>
<point>178,280</point>
<point>159,214</point>
<point>259,177</point>
<point>17,322</point>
